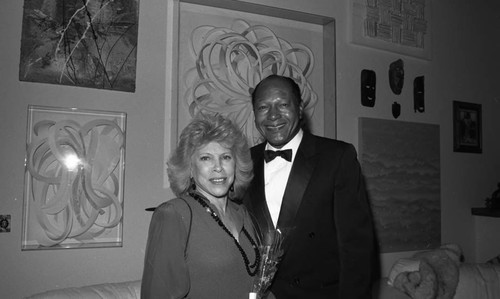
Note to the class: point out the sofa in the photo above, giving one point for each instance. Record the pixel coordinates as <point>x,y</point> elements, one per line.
<point>432,274</point>
<point>477,281</point>
<point>118,290</point>
<point>440,274</point>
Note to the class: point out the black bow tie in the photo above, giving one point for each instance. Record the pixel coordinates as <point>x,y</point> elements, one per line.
<point>270,155</point>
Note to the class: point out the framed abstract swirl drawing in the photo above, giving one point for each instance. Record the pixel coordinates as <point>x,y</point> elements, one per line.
<point>220,50</point>
<point>73,194</point>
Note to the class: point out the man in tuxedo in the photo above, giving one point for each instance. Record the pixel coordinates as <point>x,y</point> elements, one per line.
<point>314,192</point>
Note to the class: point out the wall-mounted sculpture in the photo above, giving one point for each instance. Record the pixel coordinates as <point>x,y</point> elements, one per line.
<point>396,76</point>
<point>396,109</point>
<point>368,88</point>
<point>418,94</point>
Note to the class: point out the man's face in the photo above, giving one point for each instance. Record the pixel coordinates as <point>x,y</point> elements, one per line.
<point>277,112</point>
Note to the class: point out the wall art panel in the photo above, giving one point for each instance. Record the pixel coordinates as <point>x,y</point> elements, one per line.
<point>80,43</point>
<point>73,195</point>
<point>401,164</point>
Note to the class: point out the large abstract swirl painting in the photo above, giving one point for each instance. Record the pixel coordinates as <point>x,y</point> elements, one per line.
<point>223,54</point>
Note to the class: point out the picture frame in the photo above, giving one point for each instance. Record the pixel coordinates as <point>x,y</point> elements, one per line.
<point>74,174</point>
<point>5,223</point>
<point>393,26</point>
<point>90,44</point>
<point>467,127</point>
<point>186,17</point>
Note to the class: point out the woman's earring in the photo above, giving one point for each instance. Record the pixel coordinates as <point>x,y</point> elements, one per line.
<point>231,188</point>
<point>193,184</point>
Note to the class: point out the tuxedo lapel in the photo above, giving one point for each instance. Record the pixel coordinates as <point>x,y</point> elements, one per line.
<point>257,192</point>
<point>298,180</point>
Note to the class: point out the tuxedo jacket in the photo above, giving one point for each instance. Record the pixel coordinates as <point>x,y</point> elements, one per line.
<point>326,219</point>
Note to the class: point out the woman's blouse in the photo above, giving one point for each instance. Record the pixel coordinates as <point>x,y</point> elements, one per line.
<point>208,264</point>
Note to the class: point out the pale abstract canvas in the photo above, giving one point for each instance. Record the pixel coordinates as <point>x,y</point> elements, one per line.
<point>401,164</point>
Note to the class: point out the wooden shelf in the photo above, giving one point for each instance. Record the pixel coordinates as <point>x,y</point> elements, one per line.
<point>486,212</point>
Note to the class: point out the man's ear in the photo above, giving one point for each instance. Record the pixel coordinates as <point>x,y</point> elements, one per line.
<point>301,109</point>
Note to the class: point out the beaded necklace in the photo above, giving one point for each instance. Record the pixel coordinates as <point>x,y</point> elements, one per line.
<point>251,269</point>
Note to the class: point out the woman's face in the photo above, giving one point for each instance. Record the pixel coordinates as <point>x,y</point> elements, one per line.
<point>213,170</point>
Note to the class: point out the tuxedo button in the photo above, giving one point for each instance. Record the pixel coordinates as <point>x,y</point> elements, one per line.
<point>296,282</point>
<point>312,235</point>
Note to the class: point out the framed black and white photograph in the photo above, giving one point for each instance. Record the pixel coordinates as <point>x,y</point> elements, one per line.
<point>467,135</point>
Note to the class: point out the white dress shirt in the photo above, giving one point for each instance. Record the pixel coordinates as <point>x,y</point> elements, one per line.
<point>276,173</point>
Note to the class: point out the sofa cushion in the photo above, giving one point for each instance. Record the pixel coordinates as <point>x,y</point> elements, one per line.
<point>478,281</point>
<point>118,290</point>
<point>383,290</point>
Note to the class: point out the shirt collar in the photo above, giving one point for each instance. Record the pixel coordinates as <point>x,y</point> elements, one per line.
<point>292,144</point>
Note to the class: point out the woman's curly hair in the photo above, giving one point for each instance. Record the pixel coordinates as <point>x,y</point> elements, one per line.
<point>203,129</point>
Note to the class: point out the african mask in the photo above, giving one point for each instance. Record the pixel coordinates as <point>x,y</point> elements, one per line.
<point>396,76</point>
<point>368,82</point>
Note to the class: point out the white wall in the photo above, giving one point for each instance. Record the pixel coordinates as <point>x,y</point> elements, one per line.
<point>487,240</point>
<point>464,67</point>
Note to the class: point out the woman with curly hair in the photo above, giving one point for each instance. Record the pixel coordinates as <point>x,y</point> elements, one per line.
<point>202,244</point>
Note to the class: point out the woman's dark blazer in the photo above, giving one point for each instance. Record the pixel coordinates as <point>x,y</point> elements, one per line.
<point>327,220</point>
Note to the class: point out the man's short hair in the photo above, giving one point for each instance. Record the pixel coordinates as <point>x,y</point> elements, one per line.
<point>294,87</point>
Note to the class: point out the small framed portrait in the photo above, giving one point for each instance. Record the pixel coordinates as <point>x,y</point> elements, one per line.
<point>4,223</point>
<point>467,134</point>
